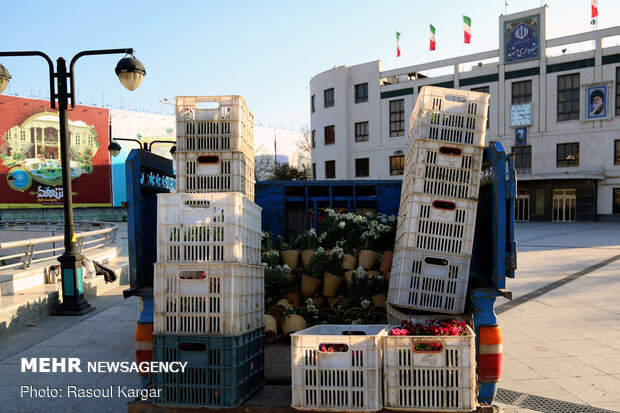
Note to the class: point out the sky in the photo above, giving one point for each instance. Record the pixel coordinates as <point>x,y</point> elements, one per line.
<point>265,50</point>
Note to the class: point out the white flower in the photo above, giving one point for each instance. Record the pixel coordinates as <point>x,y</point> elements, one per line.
<point>342,224</point>
<point>320,249</point>
<point>286,267</point>
<point>365,304</point>
<point>312,232</point>
<point>331,212</point>
<point>358,321</point>
<point>391,218</point>
<point>264,264</point>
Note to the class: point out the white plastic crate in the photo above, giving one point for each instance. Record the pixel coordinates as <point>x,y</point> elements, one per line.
<point>208,298</point>
<point>429,223</point>
<point>201,172</point>
<point>338,381</point>
<point>430,381</point>
<point>429,281</point>
<point>449,115</point>
<point>214,123</point>
<point>395,316</point>
<point>445,170</point>
<point>216,227</point>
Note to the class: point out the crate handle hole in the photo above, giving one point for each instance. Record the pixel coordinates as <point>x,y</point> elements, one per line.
<point>190,346</point>
<point>208,159</point>
<point>447,150</point>
<point>436,261</point>
<point>192,275</point>
<point>454,98</point>
<point>205,105</point>
<point>427,347</point>
<point>353,333</point>
<point>333,348</point>
<point>447,205</point>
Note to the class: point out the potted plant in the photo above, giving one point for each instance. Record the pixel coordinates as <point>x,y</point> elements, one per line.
<point>293,321</point>
<point>327,265</point>
<point>377,288</point>
<point>278,280</point>
<point>289,256</point>
<point>267,243</point>
<point>307,243</point>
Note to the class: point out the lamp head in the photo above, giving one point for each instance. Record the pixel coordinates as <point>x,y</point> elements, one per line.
<point>114,148</point>
<point>130,72</point>
<point>5,76</point>
<point>173,151</point>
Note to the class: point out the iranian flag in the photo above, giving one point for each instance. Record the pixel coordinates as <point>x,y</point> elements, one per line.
<point>397,44</point>
<point>432,47</point>
<point>594,8</point>
<point>467,28</point>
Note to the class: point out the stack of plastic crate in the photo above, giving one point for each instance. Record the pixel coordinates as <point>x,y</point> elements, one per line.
<point>437,212</point>
<point>208,281</point>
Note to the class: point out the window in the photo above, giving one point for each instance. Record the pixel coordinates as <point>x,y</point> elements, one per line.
<point>616,206</point>
<point>567,154</point>
<point>568,97</point>
<point>361,93</point>
<point>362,167</point>
<point>313,139</point>
<point>329,97</point>
<point>330,169</point>
<point>617,91</point>
<point>313,171</point>
<point>522,206</point>
<point>397,165</point>
<point>397,117</point>
<point>361,131</point>
<point>312,103</point>
<point>617,152</point>
<point>523,158</point>
<point>484,89</point>
<point>330,135</point>
<point>521,92</point>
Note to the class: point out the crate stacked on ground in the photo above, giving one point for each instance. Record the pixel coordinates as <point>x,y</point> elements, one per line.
<point>215,145</point>
<point>437,212</point>
<point>337,368</point>
<point>208,281</point>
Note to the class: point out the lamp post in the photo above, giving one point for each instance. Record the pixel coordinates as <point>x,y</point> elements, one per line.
<point>130,73</point>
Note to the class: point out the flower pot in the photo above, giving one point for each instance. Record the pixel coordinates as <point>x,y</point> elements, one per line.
<point>348,262</point>
<point>356,253</point>
<point>368,259</point>
<point>379,300</point>
<point>332,302</point>
<point>372,273</point>
<point>284,303</point>
<point>293,297</point>
<point>328,313</point>
<point>386,262</point>
<point>348,277</point>
<point>319,301</point>
<point>271,329</point>
<point>331,284</point>
<point>309,285</point>
<point>271,252</point>
<point>290,258</point>
<point>293,323</point>
<point>305,257</point>
<point>276,312</point>
<point>387,276</point>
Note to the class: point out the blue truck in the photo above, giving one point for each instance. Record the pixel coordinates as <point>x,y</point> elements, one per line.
<point>290,207</point>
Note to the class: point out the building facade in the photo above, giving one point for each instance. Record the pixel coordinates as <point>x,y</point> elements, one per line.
<point>557,112</point>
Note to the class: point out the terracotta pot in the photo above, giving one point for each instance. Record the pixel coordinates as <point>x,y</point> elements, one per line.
<point>356,253</point>
<point>348,277</point>
<point>293,323</point>
<point>387,276</point>
<point>386,262</point>
<point>379,300</point>
<point>331,284</point>
<point>290,258</point>
<point>293,297</point>
<point>372,273</point>
<point>285,303</point>
<point>270,252</point>
<point>349,262</point>
<point>368,259</point>
<point>376,315</point>
<point>276,312</point>
<point>319,301</point>
<point>271,329</point>
<point>309,285</point>
<point>305,257</point>
<point>324,311</point>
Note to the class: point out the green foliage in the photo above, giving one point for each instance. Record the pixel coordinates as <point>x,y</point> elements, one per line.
<point>306,241</point>
<point>322,262</point>
<point>278,280</point>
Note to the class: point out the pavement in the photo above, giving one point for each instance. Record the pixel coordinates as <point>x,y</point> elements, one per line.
<point>561,335</point>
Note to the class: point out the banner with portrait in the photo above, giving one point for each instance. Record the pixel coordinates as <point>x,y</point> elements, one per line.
<point>596,99</point>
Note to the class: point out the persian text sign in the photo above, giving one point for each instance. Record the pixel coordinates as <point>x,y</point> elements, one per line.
<point>30,163</point>
<point>522,39</point>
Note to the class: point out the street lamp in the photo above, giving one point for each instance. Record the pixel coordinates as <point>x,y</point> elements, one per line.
<point>130,72</point>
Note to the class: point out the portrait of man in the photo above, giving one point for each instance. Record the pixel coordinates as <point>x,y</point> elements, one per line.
<point>597,102</point>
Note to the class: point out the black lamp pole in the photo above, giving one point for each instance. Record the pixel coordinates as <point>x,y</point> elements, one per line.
<point>73,303</point>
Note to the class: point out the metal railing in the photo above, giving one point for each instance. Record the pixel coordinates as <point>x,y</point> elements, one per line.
<point>92,235</point>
